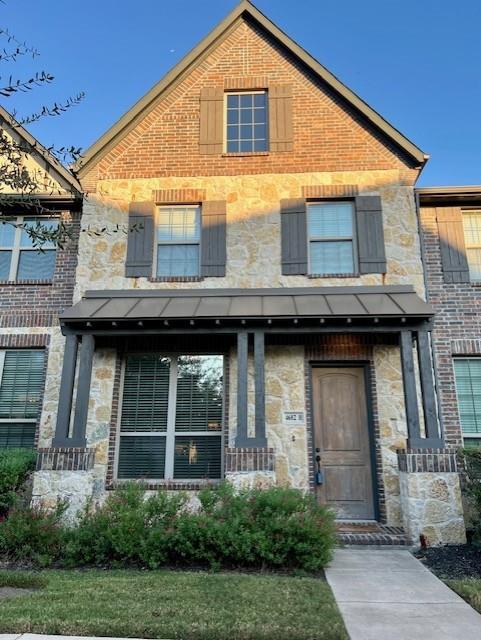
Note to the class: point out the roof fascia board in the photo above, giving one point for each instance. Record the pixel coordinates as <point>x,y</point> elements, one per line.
<point>61,174</point>
<point>195,56</point>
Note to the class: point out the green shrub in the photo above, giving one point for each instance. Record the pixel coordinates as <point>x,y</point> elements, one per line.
<point>128,529</point>
<point>471,458</point>
<point>15,467</point>
<point>272,529</point>
<point>32,535</point>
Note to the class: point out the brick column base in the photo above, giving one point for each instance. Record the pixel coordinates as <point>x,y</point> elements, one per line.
<point>65,459</point>
<point>249,467</point>
<point>431,496</point>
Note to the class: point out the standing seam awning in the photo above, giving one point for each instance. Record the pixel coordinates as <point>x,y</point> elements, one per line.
<point>301,302</point>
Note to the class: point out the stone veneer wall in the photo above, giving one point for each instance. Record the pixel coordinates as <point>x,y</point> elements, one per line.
<point>431,501</point>
<point>253,229</point>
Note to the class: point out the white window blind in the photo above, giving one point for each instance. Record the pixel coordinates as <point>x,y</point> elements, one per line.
<point>331,237</point>
<point>178,241</point>
<point>472,239</point>
<point>468,387</point>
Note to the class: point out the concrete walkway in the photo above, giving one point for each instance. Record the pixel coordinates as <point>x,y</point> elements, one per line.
<point>389,595</point>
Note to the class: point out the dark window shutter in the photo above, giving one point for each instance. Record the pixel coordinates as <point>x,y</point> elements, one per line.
<point>370,234</point>
<point>140,241</point>
<point>451,240</point>
<point>280,117</point>
<point>211,120</point>
<point>213,238</point>
<point>294,237</point>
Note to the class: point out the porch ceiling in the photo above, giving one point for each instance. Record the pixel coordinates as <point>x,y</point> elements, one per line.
<point>383,302</point>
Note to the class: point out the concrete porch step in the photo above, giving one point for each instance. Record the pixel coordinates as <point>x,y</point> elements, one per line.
<point>370,534</point>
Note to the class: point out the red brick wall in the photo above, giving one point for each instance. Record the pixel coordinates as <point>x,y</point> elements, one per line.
<point>36,304</point>
<point>328,135</point>
<point>457,325</point>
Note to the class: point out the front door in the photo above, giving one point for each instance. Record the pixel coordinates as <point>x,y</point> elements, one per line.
<point>341,439</point>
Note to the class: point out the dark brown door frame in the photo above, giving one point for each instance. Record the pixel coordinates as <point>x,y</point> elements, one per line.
<point>366,365</point>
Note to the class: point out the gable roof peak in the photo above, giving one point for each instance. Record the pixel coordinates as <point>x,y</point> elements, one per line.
<point>62,175</point>
<point>131,118</point>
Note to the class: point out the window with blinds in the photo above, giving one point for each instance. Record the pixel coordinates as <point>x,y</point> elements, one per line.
<point>468,388</point>
<point>331,237</point>
<point>472,239</point>
<point>172,417</point>
<point>21,386</point>
<point>178,241</point>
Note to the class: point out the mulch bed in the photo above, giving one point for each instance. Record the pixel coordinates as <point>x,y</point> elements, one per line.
<point>452,562</point>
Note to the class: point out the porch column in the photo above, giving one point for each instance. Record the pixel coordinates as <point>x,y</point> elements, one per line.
<point>409,385</point>
<point>260,391</point>
<point>83,391</point>
<point>433,438</point>
<point>61,438</point>
<point>242,348</point>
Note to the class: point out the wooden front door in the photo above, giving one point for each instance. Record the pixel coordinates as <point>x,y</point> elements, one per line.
<point>341,439</point>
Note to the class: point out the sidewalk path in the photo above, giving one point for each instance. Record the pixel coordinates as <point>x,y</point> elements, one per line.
<point>389,595</point>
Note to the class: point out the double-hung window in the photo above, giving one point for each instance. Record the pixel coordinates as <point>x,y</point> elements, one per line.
<point>21,385</point>
<point>178,241</point>
<point>468,388</point>
<point>19,259</point>
<point>472,239</point>
<point>331,238</point>
<point>246,118</point>
<point>171,418</point>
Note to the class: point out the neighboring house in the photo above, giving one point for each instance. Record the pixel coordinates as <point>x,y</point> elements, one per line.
<point>265,319</point>
<point>34,287</point>
<point>451,232</point>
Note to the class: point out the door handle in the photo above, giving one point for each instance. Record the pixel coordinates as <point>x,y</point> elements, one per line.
<point>319,473</point>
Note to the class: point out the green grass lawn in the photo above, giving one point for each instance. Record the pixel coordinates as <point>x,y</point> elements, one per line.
<point>180,605</point>
<point>469,589</point>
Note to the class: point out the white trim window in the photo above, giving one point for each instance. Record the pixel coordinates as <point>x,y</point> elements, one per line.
<point>472,240</point>
<point>21,387</point>
<point>19,259</point>
<point>467,373</point>
<point>246,122</point>
<point>171,418</point>
<point>177,246</point>
<point>331,238</point>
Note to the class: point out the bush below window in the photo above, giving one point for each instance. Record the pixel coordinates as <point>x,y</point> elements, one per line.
<point>15,467</point>
<point>471,457</point>
<point>264,529</point>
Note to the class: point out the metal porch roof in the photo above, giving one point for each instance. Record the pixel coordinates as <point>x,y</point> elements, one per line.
<point>302,302</point>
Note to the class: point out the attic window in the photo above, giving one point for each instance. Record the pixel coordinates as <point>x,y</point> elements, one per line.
<point>246,122</point>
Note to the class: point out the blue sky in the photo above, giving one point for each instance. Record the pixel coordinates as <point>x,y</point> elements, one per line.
<point>417,62</point>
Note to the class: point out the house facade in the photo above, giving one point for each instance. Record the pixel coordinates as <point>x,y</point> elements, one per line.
<point>451,234</point>
<point>264,316</point>
<point>34,286</point>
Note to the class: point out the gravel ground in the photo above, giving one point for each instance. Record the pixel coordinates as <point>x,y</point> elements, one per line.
<point>452,562</point>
